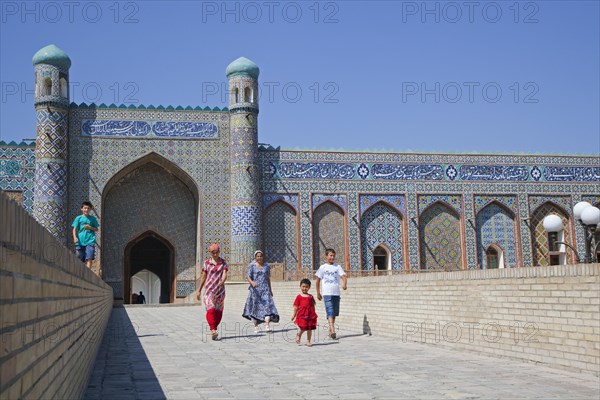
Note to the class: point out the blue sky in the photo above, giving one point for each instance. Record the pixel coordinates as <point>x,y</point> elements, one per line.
<point>490,77</point>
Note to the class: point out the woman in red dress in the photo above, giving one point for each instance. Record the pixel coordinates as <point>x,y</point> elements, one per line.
<point>214,275</point>
<point>304,312</point>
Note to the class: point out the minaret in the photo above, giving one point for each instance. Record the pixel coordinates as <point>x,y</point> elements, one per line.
<point>246,219</point>
<point>51,105</point>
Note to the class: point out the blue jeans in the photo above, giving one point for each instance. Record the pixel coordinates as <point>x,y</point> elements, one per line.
<point>85,253</point>
<point>332,306</point>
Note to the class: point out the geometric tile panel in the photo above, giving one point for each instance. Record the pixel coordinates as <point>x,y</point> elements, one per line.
<point>495,225</point>
<point>453,201</point>
<point>21,180</point>
<point>440,238</point>
<point>381,224</point>
<point>245,220</point>
<point>51,139</point>
<point>50,180</point>
<point>94,161</point>
<point>563,201</point>
<point>338,199</point>
<point>280,234</point>
<point>393,200</point>
<point>185,288</point>
<point>509,202</point>
<point>592,199</point>
<point>270,198</point>
<point>540,246</point>
<point>148,198</point>
<point>328,232</point>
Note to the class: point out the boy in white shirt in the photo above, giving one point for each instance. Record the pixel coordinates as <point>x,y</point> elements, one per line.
<point>330,274</point>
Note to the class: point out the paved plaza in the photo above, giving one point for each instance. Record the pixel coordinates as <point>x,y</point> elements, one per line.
<point>166,352</point>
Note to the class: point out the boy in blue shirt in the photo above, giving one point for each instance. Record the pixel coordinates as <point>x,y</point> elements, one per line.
<point>85,227</point>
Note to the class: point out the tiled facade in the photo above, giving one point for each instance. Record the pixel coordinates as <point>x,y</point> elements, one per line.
<point>194,176</point>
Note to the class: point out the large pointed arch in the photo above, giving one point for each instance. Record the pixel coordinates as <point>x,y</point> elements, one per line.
<point>280,234</point>
<point>150,194</point>
<point>382,224</point>
<point>329,231</point>
<point>495,225</point>
<point>440,238</point>
<point>150,251</point>
<point>540,249</point>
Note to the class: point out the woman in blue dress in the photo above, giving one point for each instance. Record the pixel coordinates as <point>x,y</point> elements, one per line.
<point>260,306</point>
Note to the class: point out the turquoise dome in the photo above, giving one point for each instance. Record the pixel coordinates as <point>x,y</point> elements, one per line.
<point>52,55</point>
<point>242,66</point>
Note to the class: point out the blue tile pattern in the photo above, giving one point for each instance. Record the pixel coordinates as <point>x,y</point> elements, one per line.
<point>280,229</point>
<point>17,171</point>
<point>496,226</point>
<point>145,129</point>
<point>381,224</point>
<point>328,232</point>
<point>483,200</point>
<point>453,201</point>
<point>185,288</point>
<point>395,201</point>
<point>432,172</point>
<point>270,198</point>
<point>339,199</point>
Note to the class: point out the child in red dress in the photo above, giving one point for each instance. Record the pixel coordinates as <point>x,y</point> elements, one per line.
<point>304,313</point>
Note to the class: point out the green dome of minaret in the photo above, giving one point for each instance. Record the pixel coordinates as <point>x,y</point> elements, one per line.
<point>242,66</point>
<point>52,55</point>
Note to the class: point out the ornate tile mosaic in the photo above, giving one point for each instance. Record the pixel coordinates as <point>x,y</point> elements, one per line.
<point>495,226</point>
<point>280,234</point>
<point>562,201</point>
<point>393,200</point>
<point>453,201</point>
<point>17,166</point>
<point>364,170</point>
<point>381,225</point>
<point>540,247</point>
<point>328,232</point>
<point>290,199</point>
<point>482,201</point>
<point>149,129</point>
<point>339,199</point>
<point>440,238</point>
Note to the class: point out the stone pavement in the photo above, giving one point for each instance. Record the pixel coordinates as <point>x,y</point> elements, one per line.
<point>166,352</point>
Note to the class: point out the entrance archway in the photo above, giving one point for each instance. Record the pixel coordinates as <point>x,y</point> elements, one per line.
<point>154,253</point>
<point>380,259</point>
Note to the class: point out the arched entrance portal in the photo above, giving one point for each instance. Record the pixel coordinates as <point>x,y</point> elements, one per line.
<point>151,252</point>
<point>380,259</point>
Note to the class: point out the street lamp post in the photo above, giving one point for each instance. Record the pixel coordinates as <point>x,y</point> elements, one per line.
<point>589,218</point>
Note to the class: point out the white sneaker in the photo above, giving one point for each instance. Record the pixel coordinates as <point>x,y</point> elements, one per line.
<point>257,329</point>
<point>268,329</point>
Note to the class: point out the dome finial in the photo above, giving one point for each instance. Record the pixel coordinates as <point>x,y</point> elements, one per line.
<point>52,55</point>
<point>242,66</point>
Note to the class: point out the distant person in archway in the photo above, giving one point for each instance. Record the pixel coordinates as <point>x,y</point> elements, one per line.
<point>141,299</point>
<point>260,306</point>
<point>214,275</point>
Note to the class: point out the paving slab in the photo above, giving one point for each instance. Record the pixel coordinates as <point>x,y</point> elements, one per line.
<point>167,353</point>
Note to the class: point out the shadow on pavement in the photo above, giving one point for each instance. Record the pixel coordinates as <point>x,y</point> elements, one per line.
<point>122,369</point>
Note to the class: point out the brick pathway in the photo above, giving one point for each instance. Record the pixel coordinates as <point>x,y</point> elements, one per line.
<point>166,352</point>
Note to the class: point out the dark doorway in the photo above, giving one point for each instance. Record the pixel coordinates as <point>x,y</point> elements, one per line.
<point>151,252</point>
<point>492,258</point>
<point>380,257</point>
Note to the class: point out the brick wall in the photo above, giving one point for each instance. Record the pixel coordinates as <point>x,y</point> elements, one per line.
<point>547,315</point>
<point>53,311</point>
